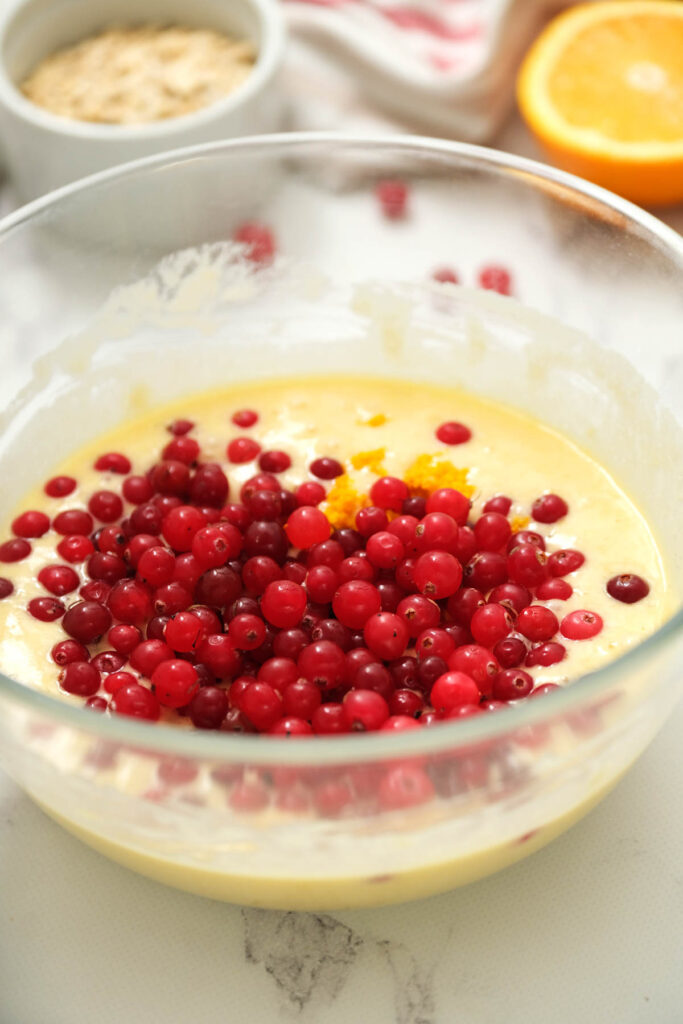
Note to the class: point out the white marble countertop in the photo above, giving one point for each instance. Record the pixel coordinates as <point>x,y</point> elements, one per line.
<point>588,930</point>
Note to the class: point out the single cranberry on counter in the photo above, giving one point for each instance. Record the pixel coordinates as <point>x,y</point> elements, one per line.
<point>393,198</point>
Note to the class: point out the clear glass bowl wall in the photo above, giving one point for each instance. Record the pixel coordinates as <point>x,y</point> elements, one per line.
<point>350,293</point>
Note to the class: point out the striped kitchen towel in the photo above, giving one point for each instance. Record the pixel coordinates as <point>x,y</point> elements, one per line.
<point>444,66</point>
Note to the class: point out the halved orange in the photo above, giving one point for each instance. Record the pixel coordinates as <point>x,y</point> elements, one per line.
<point>602,90</point>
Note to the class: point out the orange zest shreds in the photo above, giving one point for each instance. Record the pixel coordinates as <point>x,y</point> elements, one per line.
<point>518,523</point>
<point>429,473</point>
<point>372,460</point>
<point>374,421</point>
<point>342,503</point>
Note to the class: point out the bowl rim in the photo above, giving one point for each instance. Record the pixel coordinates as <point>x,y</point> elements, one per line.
<point>269,57</point>
<point>234,747</point>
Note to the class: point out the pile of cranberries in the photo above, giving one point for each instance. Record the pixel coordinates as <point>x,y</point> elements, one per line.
<point>254,615</point>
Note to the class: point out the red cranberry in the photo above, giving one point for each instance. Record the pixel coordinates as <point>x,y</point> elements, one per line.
<point>537,623</point>
<point>269,539</point>
<point>136,701</point>
<point>180,526</point>
<point>130,602</point>
<point>365,710</point>
<point>389,492</point>
<point>495,278</point>
<point>14,550</point>
<point>527,566</point>
<point>146,519</point>
<point>355,602</point>
<point>406,702</point>
<point>510,652</point>
<point>445,275</point>
<point>219,654</point>
<point>511,596</point>
<point>209,486</point>
<point>104,566</point>
<point>561,563</point>
<point>490,624</point>
<point>463,604</point>
<point>86,621</point>
<point>554,590</point>
<point>322,663</point>
<point>628,588</point>
<point>485,571</point>
<point>393,198</point>
<point>66,651</point>
<point>434,642</point>
<point>546,654</point>
<point>549,508</point>
<point>137,490</point>
<point>58,579</point>
<point>148,654</point>
<point>174,682</point>
<point>326,468</point>
<point>526,537</point>
<point>511,684</point>
<point>349,540</point>
<point>454,689</point>
<point>452,433</point>
<point>438,574</point>
<point>183,632</point>
<point>245,418</point>
<point>106,506</point>
<point>258,241</point>
<point>290,726</point>
<point>170,478</point>
<point>307,526</point>
<point>180,427</point>
<point>581,625</point>
<point>218,588</point>
<point>95,590</point>
<point>309,493</point>
<point>182,449</point>
<point>301,698</point>
<point>262,705</point>
<point>404,672</point>
<point>274,461</point>
<point>113,462</point>
<point>80,678</point>
<point>60,486</point>
<point>499,503</point>
<point>450,501</point>
<point>283,603</point>
<point>492,532</point>
<point>124,638</point>
<point>96,704</point>
<point>242,449</point>
<point>429,671</point>
<point>386,635</point>
<point>475,661</point>
<point>167,600</point>
<point>107,662</point>
<point>208,707</point>
<point>31,524</point>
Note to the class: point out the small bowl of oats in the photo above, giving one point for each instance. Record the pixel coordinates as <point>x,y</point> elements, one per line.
<point>85,86</point>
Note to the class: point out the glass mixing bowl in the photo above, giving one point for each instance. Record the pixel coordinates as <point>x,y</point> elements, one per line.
<point>125,291</point>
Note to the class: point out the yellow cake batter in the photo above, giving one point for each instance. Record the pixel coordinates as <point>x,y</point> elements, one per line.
<point>374,427</point>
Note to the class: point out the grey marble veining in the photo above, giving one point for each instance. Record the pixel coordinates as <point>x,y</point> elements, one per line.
<point>310,958</point>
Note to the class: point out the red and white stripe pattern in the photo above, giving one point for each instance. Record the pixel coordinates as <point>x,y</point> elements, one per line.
<point>445,64</point>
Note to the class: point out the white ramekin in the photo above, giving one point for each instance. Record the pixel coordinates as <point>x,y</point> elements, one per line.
<point>42,151</point>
